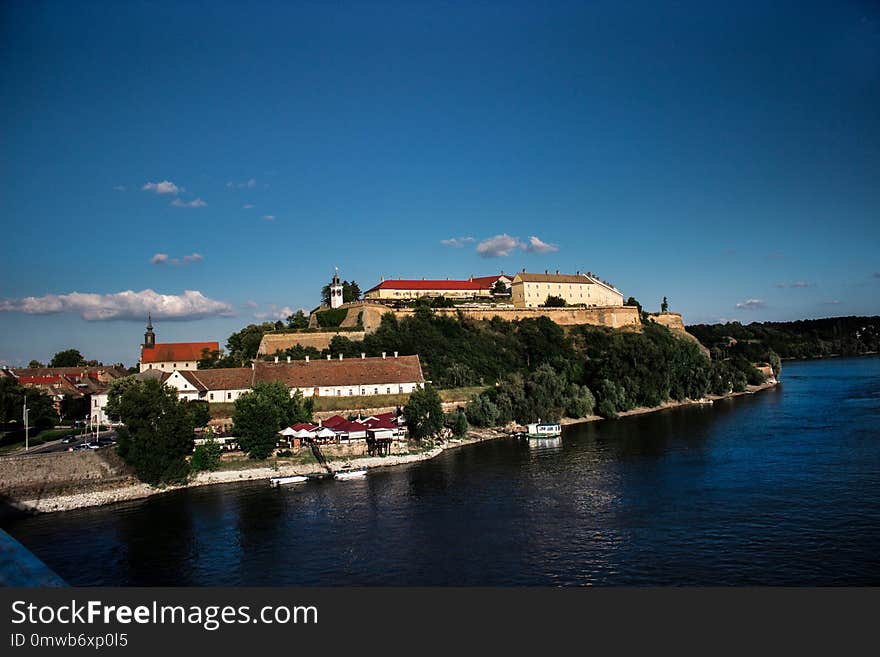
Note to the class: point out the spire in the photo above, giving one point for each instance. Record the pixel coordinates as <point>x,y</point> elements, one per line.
<point>149,336</point>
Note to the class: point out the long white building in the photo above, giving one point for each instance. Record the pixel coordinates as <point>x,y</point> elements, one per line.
<point>338,377</point>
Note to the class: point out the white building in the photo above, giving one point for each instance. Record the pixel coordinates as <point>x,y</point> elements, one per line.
<point>336,377</point>
<point>170,356</point>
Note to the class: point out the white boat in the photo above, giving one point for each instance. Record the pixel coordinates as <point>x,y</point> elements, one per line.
<point>289,479</point>
<point>540,430</point>
<point>346,473</point>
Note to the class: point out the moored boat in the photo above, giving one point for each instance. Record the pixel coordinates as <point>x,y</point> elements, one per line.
<point>347,472</point>
<point>289,479</point>
<point>541,430</point>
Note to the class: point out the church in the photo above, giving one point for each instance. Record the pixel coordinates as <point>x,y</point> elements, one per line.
<point>170,356</point>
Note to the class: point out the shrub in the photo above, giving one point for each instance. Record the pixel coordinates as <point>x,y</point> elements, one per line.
<point>206,456</point>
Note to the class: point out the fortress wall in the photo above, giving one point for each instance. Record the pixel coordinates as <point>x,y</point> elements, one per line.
<point>671,321</point>
<point>610,316</point>
<point>272,342</point>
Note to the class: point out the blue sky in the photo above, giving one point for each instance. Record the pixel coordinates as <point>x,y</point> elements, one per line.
<point>727,157</point>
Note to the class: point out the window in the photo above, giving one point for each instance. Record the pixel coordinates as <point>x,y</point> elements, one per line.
<point>338,392</point>
<point>388,390</point>
<point>228,395</point>
<point>375,391</point>
<point>211,396</point>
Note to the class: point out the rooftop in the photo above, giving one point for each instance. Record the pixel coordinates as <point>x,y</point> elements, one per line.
<point>177,351</point>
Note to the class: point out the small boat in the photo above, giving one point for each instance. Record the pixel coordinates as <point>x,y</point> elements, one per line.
<point>540,430</point>
<point>346,472</point>
<point>289,479</point>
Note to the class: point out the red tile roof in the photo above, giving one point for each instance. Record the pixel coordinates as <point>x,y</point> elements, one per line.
<point>486,282</point>
<point>423,284</point>
<point>348,372</point>
<point>348,427</point>
<point>308,426</point>
<point>176,351</point>
<point>334,421</point>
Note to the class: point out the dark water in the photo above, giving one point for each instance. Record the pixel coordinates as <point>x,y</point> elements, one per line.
<point>779,488</point>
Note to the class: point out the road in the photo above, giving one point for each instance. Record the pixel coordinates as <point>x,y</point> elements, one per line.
<point>58,446</point>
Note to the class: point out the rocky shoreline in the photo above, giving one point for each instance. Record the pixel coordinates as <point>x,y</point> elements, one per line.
<point>67,502</point>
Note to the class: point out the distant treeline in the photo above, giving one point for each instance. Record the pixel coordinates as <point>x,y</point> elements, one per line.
<point>806,338</point>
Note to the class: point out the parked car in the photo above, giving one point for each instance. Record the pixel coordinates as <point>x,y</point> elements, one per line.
<point>80,447</point>
<point>94,444</point>
<point>70,438</point>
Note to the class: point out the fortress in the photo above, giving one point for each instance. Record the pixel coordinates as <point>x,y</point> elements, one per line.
<point>589,300</point>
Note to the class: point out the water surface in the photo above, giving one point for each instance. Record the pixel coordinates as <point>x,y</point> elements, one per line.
<point>780,488</point>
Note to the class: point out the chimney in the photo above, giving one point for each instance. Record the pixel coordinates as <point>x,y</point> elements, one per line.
<point>383,355</point>
<point>340,356</point>
<point>307,359</point>
<point>363,355</point>
<point>276,359</point>
<point>395,354</point>
<point>288,359</point>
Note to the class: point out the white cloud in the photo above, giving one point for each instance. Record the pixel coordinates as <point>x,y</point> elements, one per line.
<point>751,304</point>
<point>163,258</point>
<point>164,187</point>
<point>457,242</point>
<point>832,302</point>
<point>498,246</point>
<point>802,284</point>
<point>247,184</point>
<point>274,312</point>
<point>128,304</point>
<point>197,203</point>
<point>502,245</point>
<point>248,206</point>
<point>535,245</point>
<point>119,188</point>
<point>268,217</point>
<point>250,303</point>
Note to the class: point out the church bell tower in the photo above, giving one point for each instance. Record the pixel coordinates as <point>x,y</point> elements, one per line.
<point>335,291</point>
<point>149,336</point>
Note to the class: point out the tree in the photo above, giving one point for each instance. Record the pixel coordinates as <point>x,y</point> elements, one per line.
<point>632,301</point>
<point>297,320</point>
<point>350,291</point>
<point>157,435</point>
<point>259,415</point>
<point>482,412</point>
<point>554,302</point>
<point>199,412</point>
<point>67,358</point>
<point>206,456</point>
<point>500,288</point>
<point>664,306</point>
<point>424,412</point>
<point>41,410</point>
<point>458,423</point>
<point>35,364</point>
<point>243,345</point>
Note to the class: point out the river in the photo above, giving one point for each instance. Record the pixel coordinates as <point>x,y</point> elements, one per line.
<point>777,488</point>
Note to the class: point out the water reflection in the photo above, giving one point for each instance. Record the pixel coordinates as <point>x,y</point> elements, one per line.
<point>779,488</point>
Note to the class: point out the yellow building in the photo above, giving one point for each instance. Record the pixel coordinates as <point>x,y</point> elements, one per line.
<point>531,290</point>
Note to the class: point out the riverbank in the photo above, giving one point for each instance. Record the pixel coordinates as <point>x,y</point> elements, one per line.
<point>100,496</point>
